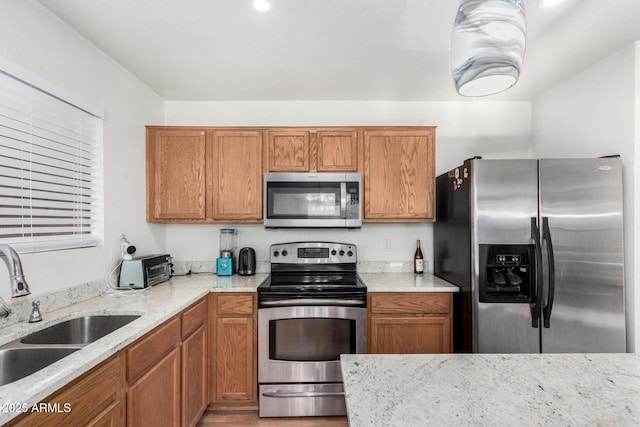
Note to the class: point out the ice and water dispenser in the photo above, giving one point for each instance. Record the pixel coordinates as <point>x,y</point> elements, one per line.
<point>507,273</point>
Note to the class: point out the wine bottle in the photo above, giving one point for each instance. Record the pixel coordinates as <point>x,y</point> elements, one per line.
<point>418,260</point>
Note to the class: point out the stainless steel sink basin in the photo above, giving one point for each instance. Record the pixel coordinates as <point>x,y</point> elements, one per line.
<point>81,330</point>
<point>17,363</point>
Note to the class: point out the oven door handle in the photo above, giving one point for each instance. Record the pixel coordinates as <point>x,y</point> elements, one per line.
<point>303,394</point>
<point>313,301</point>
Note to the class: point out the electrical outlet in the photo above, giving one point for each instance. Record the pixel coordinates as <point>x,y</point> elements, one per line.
<point>387,245</point>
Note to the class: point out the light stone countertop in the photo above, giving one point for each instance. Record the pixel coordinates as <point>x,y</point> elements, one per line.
<point>406,282</point>
<point>492,390</point>
<point>156,305</point>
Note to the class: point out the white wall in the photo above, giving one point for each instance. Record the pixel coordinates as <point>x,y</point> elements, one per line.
<point>489,129</point>
<point>32,39</point>
<point>635,272</point>
<point>593,114</point>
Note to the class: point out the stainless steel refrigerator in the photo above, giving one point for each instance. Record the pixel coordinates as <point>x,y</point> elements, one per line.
<point>536,247</point>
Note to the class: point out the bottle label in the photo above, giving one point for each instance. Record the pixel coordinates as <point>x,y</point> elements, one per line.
<point>420,265</point>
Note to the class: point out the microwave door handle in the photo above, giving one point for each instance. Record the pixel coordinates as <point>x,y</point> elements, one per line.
<point>343,199</point>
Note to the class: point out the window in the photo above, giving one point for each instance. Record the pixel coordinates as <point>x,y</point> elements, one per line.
<point>50,171</point>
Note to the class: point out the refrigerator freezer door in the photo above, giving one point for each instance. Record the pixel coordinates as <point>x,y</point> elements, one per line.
<point>581,200</point>
<point>504,199</point>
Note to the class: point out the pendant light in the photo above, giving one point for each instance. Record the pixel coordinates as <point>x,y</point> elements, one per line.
<point>487,46</point>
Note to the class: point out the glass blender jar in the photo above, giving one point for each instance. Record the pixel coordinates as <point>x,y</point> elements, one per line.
<point>226,263</point>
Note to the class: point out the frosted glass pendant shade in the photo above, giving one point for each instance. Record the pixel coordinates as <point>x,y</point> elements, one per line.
<point>487,46</point>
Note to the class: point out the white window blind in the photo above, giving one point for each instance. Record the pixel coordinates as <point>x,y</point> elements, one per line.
<point>50,171</point>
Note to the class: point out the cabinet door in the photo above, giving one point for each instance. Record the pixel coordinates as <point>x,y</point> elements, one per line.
<point>399,175</point>
<point>96,397</point>
<point>289,150</point>
<point>236,190</point>
<point>409,335</point>
<point>154,400</point>
<point>235,360</point>
<point>194,377</point>
<point>113,416</point>
<point>337,151</point>
<point>176,174</point>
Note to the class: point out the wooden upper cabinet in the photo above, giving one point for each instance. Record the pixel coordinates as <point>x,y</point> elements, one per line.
<point>289,150</point>
<point>236,187</point>
<point>337,151</point>
<point>399,175</point>
<point>176,174</point>
<point>211,175</point>
<point>204,174</point>
<point>312,150</point>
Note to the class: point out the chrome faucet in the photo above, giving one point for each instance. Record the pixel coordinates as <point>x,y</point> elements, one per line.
<point>19,286</point>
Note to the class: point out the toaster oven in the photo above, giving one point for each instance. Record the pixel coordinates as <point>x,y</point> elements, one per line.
<point>144,271</point>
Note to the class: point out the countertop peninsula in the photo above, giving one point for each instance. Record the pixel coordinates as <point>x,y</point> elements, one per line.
<point>492,390</point>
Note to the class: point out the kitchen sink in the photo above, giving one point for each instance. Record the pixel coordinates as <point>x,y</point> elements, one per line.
<point>81,330</point>
<point>17,363</point>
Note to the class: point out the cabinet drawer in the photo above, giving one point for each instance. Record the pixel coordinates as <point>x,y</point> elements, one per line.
<point>194,317</point>
<point>150,349</point>
<point>233,305</point>
<point>409,303</point>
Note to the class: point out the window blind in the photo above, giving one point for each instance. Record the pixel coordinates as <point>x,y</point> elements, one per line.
<point>50,171</point>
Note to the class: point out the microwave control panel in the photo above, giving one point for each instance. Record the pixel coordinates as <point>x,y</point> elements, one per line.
<point>353,200</point>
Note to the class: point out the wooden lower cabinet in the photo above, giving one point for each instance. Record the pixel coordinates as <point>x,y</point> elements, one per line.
<point>112,416</point>
<point>159,380</point>
<point>194,362</point>
<point>234,349</point>
<point>97,398</point>
<point>409,323</point>
<point>153,373</point>
<point>154,399</point>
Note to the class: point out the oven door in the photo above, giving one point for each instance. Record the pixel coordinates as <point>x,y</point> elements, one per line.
<point>304,343</point>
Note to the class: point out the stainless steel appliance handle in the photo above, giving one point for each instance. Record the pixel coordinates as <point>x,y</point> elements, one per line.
<point>546,235</point>
<point>303,394</point>
<point>535,306</point>
<point>313,301</point>
<point>343,199</point>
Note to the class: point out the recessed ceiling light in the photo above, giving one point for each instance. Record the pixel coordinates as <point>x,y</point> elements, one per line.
<point>261,5</point>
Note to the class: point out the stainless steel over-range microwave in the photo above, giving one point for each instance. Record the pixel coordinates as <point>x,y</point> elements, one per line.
<point>311,200</point>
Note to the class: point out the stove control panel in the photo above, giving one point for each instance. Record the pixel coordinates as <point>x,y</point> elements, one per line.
<point>313,253</point>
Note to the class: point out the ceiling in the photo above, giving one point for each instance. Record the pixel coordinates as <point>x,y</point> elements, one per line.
<point>394,50</point>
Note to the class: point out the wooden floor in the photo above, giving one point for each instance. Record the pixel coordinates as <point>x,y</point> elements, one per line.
<point>216,418</point>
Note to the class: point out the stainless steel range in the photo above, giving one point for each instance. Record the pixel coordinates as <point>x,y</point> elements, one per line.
<point>311,310</point>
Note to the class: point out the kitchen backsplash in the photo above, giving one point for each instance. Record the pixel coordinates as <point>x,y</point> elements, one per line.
<point>52,300</point>
<point>184,267</point>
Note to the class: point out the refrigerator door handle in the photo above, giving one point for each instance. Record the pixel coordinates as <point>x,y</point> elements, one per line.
<point>535,305</point>
<point>546,236</point>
